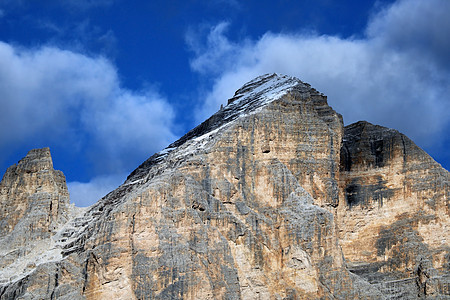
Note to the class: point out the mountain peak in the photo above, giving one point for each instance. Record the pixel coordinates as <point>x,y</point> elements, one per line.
<point>255,94</point>
<point>265,87</point>
<point>271,186</point>
<point>249,99</point>
<point>36,160</point>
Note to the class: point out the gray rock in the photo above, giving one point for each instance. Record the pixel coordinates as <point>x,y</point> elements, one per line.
<point>254,203</point>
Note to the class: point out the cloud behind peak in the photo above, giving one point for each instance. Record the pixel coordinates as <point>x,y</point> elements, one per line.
<point>400,85</point>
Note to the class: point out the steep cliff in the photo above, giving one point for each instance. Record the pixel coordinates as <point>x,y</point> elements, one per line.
<point>394,219</point>
<point>34,203</point>
<point>254,203</point>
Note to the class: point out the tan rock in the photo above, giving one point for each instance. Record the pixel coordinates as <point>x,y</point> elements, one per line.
<point>395,213</point>
<point>34,203</point>
<point>256,203</point>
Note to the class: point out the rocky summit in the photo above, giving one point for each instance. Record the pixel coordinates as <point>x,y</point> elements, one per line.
<point>270,198</point>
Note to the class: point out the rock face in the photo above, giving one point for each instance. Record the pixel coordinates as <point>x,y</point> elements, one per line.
<point>270,198</point>
<point>394,219</point>
<point>34,203</point>
<point>33,191</point>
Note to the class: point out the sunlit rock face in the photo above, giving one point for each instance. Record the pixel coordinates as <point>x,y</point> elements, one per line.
<point>32,190</point>
<point>270,198</point>
<point>34,203</point>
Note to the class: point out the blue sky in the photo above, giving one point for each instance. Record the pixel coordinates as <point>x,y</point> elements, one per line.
<point>107,83</point>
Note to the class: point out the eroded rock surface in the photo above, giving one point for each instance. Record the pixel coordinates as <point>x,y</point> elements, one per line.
<point>34,204</point>
<point>32,190</point>
<point>394,218</point>
<point>251,204</point>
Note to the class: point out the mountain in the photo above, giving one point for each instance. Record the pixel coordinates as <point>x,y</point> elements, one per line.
<point>394,222</point>
<point>270,198</point>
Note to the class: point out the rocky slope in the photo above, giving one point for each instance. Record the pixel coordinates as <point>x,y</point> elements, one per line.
<point>270,198</point>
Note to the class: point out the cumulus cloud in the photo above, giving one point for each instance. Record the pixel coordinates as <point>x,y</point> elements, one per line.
<point>87,193</point>
<point>396,76</point>
<point>132,123</point>
<point>418,27</point>
<point>49,94</point>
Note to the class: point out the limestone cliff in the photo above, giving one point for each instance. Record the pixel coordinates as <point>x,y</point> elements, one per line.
<point>255,203</point>
<point>394,219</point>
<point>34,203</point>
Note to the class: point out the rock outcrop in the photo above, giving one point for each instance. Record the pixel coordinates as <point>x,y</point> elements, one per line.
<point>394,219</point>
<point>270,198</point>
<point>34,203</point>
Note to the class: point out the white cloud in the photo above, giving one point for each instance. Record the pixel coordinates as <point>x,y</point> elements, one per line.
<point>399,85</point>
<point>49,94</point>
<point>131,125</point>
<point>87,193</point>
<point>415,26</point>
